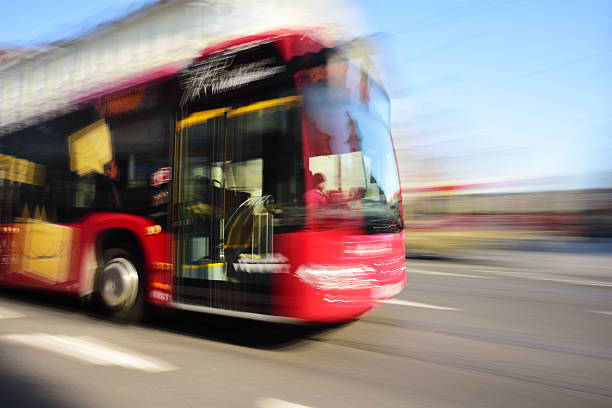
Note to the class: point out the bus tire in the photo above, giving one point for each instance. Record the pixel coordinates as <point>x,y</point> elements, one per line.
<point>121,285</point>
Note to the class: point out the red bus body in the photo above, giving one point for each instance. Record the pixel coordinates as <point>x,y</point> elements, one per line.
<point>329,274</point>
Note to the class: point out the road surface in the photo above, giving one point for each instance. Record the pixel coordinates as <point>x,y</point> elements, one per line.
<point>501,329</point>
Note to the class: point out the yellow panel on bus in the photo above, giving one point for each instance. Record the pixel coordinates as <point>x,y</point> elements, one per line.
<point>45,250</point>
<point>21,170</point>
<point>90,149</point>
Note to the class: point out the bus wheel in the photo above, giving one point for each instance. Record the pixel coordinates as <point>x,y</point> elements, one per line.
<point>121,286</point>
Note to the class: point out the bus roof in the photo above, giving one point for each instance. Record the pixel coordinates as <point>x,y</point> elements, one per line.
<point>287,37</point>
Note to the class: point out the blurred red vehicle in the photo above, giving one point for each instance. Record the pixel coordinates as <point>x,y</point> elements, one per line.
<point>185,188</point>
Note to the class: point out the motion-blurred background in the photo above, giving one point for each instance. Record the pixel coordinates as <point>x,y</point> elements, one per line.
<point>502,124</point>
<point>501,108</point>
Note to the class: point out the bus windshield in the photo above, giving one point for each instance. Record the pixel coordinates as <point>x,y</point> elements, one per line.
<point>347,142</point>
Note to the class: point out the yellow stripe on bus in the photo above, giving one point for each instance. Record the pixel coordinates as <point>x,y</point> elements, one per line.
<point>203,116</point>
<point>203,265</point>
<point>200,117</point>
<point>257,106</point>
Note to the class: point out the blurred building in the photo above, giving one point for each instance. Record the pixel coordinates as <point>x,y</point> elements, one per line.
<point>40,81</point>
<point>447,217</point>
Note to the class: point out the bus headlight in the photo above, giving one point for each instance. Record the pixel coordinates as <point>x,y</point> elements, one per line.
<point>325,277</point>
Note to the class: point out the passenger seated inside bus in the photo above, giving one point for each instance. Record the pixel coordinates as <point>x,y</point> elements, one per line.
<point>317,195</point>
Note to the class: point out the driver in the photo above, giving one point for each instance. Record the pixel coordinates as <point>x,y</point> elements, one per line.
<point>317,196</point>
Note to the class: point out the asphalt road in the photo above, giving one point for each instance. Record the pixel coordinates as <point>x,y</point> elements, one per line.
<point>501,329</point>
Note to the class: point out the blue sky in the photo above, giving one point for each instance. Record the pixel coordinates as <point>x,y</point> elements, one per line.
<point>485,88</point>
<point>527,81</point>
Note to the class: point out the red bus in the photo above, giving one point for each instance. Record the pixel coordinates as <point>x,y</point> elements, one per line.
<point>191,187</point>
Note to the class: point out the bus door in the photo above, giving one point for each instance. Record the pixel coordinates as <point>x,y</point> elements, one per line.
<point>220,216</point>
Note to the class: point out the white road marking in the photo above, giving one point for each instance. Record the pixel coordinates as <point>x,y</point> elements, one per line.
<point>92,351</point>
<point>460,275</point>
<point>9,314</point>
<point>549,278</point>
<point>603,312</point>
<point>517,274</point>
<point>278,403</point>
<point>418,304</point>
